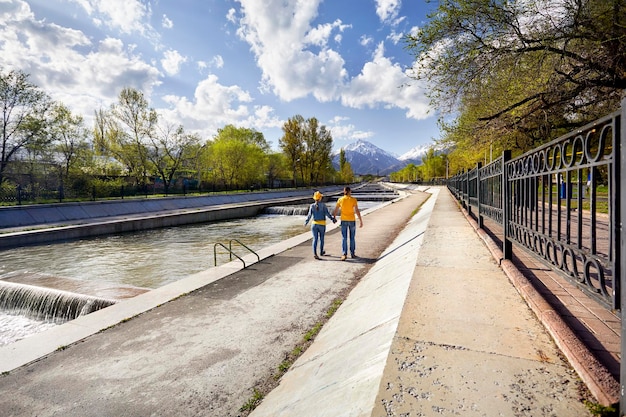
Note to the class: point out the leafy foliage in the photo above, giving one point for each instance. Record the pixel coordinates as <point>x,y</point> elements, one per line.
<point>515,74</point>
<point>24,112</point>
<point>307,145</point>
<point>238,156</point>
<point>132,146</point>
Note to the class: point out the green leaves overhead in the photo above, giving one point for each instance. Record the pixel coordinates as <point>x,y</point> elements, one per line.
<point>521,72</point>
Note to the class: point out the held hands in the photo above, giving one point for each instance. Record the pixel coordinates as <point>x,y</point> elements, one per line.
<point>334,220</point>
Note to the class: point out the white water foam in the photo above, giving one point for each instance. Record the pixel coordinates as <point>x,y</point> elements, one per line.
<point>15,328</point>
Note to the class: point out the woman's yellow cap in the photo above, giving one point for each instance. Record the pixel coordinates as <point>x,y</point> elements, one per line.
<point>317,196</point>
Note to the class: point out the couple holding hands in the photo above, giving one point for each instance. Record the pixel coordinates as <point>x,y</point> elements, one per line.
<point>348,207</point>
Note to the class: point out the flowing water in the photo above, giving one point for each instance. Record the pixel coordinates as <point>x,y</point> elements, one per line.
<point>150,258</point>
<point>147,259</point>
<point>127,264</point>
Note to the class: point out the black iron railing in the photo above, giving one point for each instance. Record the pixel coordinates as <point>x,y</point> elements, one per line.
<point>557,201</point>
<point>563,203</point>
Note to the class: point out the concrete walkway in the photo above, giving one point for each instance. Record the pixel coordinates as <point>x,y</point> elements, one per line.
<point>432,327</point>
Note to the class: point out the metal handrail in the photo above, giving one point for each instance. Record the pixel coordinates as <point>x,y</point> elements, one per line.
<point>231,253</point>
<point>230,243</point>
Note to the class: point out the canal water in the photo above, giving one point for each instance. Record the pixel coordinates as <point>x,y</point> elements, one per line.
<point>150,258</point>
<point>147,260</point>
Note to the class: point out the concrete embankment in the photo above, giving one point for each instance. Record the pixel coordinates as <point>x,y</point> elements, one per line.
<point>37,224</point>
<point>33,215</point>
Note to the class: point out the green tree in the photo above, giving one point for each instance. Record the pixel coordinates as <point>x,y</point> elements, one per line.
<point>433,165</point>
<point>277,167</point>
<point>68,136</point>
<point>318,144</point>
<point>345,169</point>
<point>529,66</point>
<point>308,146</point>
<point>109,158</point>
<point>237,157</point>
<point>409,173</point>
<point>246,135</point>
<point>292,142</point>
<point>24,110</point>
<point>126,131</point>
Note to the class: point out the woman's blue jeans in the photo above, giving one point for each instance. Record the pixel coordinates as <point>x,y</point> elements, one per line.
<point>348,227</point>
<point>318,231</point>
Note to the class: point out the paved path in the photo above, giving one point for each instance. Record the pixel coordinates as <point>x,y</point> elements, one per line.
<point>435,328</point>
<point>432,327</point>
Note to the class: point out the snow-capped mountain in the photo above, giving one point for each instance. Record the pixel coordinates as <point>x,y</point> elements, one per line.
<point>415,155</point>
<point>367,158</point>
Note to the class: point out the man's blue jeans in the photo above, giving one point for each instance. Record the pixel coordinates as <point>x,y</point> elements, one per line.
<point>348,227</point>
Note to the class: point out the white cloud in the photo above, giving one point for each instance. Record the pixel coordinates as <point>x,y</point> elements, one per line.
<point>280,35</point>
<point>395,37</point>
<point>126,16</point>
<point>14,11</point>
<point>217,61</point>
<point>343,131</point>
<point>365,40</point>
<point>387,10</point>
<point>263,118</point>
<point>231,16</point>
<point>171,62</point>
<point>382,82</point>
<point>319,35</point>
<point>65,63</point>
<point>166,22</point>
<point>214,105</point>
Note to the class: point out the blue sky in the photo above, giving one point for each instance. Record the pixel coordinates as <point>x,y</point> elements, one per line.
<point>208,63</point>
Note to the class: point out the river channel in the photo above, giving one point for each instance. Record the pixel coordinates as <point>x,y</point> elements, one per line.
<point>148,259</point>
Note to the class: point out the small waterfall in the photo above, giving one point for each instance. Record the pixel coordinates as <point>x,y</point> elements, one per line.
<point>287,211</point>
<point>47,304</point>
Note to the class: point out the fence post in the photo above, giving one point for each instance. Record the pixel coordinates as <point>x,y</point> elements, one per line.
<point>478,212</point>
<point>619,168</point>
<point>505,195</point>
<point>466,192</point>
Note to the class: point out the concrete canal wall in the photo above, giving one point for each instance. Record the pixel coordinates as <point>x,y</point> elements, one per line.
<point>30,215</point>
<point>44,223</point>
<point>38,224</point>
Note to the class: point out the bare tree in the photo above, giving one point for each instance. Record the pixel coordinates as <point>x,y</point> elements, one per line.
<point>24,108</point>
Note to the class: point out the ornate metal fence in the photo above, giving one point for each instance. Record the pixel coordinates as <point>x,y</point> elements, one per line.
<point>563,203</point>
<point>560,201</point>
